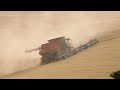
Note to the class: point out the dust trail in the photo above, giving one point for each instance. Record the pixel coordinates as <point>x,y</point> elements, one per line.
<point>27,30</point>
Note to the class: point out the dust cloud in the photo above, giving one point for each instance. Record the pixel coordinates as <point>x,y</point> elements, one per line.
<point>28,30</point>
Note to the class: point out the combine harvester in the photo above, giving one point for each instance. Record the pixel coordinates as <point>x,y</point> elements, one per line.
<point>59,49</point>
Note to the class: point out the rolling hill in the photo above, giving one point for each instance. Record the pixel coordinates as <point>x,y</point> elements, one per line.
<point>94,63</point>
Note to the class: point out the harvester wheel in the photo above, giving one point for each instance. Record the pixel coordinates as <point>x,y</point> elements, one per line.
<point>45,61</point>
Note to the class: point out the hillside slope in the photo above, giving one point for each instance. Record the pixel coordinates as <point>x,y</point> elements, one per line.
<point>94,63</point>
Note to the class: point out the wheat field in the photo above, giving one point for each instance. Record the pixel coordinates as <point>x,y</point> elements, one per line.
<point>94,63</point>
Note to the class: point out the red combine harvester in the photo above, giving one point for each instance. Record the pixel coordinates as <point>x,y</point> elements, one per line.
<point>52,50</point>
<point>59,48</point>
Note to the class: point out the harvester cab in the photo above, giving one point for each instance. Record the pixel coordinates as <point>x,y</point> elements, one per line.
<point>68,42</point>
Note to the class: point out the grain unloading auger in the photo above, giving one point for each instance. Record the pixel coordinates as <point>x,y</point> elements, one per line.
<point>58,49</point>
<point>29,51</point>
